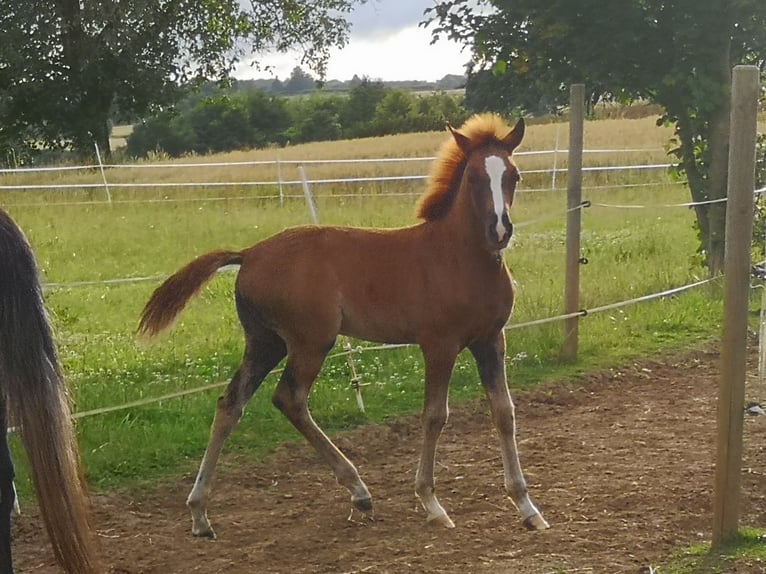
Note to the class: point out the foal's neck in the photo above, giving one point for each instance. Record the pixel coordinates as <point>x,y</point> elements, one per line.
<point>463,232</point>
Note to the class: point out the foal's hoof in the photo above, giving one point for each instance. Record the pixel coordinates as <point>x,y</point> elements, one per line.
<point>440,521</point>
<point>362,504</point>
<point>207,532</point>
<point>535,522</point>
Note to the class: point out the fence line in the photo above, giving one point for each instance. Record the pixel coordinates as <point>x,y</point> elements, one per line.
<point>292,182</point>
<point>364,349</point>
<point>359,349</point>
<point>103,175</point>
<point>549,216</point>
<point>166,184</point>
<point>348,351</point>
<point>121,281</point>
<point>26,170</point>
<point>284,196</point>
<point>583,205</point>
<point>685,204</point>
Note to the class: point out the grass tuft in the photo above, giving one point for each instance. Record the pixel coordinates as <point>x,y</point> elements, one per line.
<point>746,553</point>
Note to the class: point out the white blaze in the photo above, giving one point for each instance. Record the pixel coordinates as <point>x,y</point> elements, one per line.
<point>495,167</point>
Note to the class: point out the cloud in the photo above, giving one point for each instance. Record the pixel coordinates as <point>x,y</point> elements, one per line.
<point>386,43</point>
<point>383,17</point>
<point>405,54</point>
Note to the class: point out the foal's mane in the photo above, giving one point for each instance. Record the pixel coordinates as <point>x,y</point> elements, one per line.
<point>447,169</point>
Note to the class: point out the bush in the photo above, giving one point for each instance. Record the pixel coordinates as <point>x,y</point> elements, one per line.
<point>163,133</point>
<point>222,121</point>
<point>221,124</point>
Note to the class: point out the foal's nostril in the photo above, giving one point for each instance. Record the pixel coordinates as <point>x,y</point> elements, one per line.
<point>505,230</point>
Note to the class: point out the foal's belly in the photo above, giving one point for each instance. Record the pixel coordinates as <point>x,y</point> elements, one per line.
<point>378,326</point>
<point>427,319</point>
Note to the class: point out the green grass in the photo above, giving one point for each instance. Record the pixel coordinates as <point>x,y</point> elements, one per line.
<point>747,553</point>
<point>630,252</point>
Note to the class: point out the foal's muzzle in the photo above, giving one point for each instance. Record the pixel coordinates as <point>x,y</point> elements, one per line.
<point>500,232</point>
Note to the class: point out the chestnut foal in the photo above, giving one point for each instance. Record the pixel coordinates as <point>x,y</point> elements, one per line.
<point>441,284</point>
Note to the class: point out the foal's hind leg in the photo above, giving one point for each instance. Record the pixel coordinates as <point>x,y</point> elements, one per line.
<point>262,353</point>
<point>490,358</point>
<point>291,397</point>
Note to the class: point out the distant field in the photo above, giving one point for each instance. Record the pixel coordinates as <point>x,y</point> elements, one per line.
<point>639,134</point>
<point>150,232</point>
<point>119,136</point>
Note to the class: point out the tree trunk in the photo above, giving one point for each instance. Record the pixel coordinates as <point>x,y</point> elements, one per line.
<point>101,137</point>
<point>90,108</point>
<point>694,177</point>
<point>718,147</point>
<point>94,131</point>
<point>708,119</point>
<point>718,143</point>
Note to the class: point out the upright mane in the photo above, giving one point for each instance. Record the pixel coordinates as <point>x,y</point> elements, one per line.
<point>447,169</point>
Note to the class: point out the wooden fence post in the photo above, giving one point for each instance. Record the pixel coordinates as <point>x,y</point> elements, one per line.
<point>344,340</point>
<point>739,227</point>
<point>574,217</point>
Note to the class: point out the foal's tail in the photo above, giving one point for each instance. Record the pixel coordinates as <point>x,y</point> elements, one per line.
<point>36,400</point>
<point>169,299</point>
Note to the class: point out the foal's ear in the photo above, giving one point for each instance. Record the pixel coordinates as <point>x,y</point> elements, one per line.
<point>514,137</point>
<point>462,142</point>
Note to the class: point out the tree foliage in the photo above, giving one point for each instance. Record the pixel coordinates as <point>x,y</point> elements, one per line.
<point>299,82</point>
<point>66,66</point>
<point>223,121</point>
<point>759,223</point>
<point>363,99</point>
<point>677,53</point>
<point>214,123</point>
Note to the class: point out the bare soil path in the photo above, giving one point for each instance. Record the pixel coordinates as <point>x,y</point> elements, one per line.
<point>621,464</point>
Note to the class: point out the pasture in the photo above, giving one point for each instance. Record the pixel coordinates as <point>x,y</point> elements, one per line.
<point>83,241</point>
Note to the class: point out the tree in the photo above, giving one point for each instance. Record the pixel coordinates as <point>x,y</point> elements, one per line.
<point>66,65</point>
<point>269,118</point>
<point>300,82</point>
<point>220,121</point>
<point>392,111</point>
<point>315,118</point>
<point>165,132</point>
<point>431,112</point>
<point>677,53</point>
<point>359,110</point>
<point>487,90</point>
<point>221,124</point>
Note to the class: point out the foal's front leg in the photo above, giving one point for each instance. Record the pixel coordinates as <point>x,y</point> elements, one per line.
<point>439,363</point>
<point>490,359</point>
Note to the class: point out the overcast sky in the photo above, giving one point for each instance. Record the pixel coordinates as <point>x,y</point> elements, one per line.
<point>386,43</point>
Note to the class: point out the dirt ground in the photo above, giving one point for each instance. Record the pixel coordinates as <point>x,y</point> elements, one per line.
<point>621,465</point>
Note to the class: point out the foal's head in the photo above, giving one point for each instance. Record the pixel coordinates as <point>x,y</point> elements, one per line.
<point>476,162</point>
